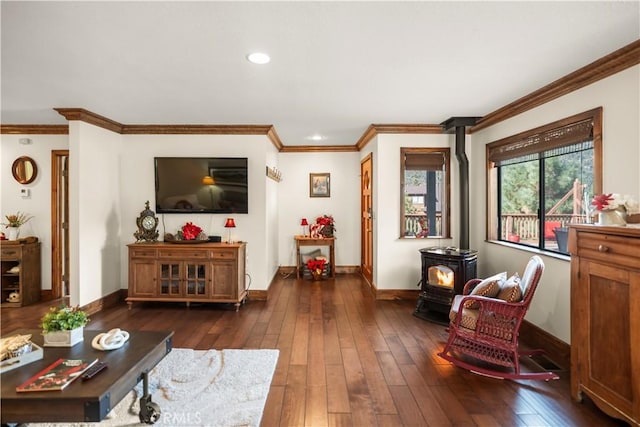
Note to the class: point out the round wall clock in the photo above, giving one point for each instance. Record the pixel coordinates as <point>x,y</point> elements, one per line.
<point>147,224</point>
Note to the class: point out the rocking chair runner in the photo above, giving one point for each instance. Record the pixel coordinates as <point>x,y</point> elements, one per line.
<point>489,331</point>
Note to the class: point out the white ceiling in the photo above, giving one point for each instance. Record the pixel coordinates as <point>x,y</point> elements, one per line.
<point>336,67</point>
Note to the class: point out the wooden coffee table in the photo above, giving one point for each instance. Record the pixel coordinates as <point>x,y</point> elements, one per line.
<point>87,401</point>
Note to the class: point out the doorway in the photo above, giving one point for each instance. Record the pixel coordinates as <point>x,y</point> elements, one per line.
<point>366,215</point>
<point>59,223</point>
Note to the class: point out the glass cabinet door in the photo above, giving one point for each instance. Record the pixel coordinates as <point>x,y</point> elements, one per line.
<point>196,279</point>
<point>170,279</point>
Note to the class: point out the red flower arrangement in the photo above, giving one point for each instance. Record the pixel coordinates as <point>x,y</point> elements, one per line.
<point>601,201</point>
<point>316,265</point>
<point>613,201</point>
<point>190,231</point>
<point>325,220</point>
<point>325,225</point>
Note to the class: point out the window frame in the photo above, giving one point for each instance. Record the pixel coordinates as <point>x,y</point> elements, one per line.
<point>446,190</point>
<point>518,140</point>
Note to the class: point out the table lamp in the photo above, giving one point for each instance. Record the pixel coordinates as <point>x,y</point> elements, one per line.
<point>304,225</point>
<point>210,182</point>
<point>230,223</point>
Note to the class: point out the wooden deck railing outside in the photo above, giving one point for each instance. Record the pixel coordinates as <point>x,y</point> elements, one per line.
<point>525,226</point>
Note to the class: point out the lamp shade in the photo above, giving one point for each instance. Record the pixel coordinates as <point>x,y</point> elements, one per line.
<point>230,223</point>
<point>304,221</point>
<point>208,180</point>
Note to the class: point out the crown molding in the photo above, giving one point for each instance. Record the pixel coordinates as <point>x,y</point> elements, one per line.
<point>274,138</point>
<point>318,148</point>
<point>89,117</point>
<point>375,129</point>
<point>103,122</point>
<point>196,129</point>
<point>35,129</point>
<point>621,59</point>
<point>267,130</point>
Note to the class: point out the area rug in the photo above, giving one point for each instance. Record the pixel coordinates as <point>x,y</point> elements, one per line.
<point>200,388</point>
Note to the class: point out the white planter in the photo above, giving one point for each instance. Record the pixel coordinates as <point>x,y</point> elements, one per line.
<point>612,217</point>
<point>64,338</point>
<point>12,233</point>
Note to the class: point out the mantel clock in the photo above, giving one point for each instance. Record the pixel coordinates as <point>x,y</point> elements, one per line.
<point>147,224</point>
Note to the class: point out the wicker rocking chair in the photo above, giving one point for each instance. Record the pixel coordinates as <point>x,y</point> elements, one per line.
<point>483,333</point>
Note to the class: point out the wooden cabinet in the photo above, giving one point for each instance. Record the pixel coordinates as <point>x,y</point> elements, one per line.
<point>605,318</point>
<point>203,272</point>
<point>20,269</point>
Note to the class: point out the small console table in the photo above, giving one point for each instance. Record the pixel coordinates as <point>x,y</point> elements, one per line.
<point>309,241</point>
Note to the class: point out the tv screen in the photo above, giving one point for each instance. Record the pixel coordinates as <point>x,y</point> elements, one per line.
<point>201,185</point>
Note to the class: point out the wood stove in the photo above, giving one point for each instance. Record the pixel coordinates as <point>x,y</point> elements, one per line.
<point>445,270</point>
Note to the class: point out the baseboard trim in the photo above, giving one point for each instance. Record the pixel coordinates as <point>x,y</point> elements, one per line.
<point>347,269</point>
<point>106,301</point>
<point>258,294</point>
<point>392,294</point>
<point>340,269</point>
<point>46,295</point>
<point>558,351</point>
<point>283,270</point>
<point>395,294</point>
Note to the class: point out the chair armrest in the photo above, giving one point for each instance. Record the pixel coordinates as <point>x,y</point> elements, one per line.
<point>497,318</point>
<point>470,285</point>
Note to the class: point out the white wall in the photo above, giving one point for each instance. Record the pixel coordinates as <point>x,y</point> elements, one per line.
<point>138,187</point>
<point>397,261</point>
<point>94,212</point>
<point>271,223</point>
<point>619,95</point>
<point>294,202</point>
<point>39,204</point>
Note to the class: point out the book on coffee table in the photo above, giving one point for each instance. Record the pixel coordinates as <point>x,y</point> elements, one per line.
<point>56,376</point>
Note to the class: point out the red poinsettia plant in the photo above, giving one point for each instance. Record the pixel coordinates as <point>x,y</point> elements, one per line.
<point>325,226</point>
<point>605,202</point>
<point>316,265</point>
<point>190,231</point>
<point>602,201</point>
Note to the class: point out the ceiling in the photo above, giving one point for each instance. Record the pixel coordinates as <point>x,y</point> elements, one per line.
<point>336,67</point>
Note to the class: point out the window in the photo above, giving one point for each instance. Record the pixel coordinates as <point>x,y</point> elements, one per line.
<point>543,179</point>
<point>424,181</point>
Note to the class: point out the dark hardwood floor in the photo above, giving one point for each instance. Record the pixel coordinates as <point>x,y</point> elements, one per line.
<point>348,360</point>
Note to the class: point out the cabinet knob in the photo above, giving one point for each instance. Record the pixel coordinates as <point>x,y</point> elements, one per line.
<point>603,248</point>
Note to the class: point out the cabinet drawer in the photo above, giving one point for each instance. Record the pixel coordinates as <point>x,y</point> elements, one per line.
<point>619,250</point>
<point>143,253</point>
<point>11,253</point>
<point>223,255</point>
<point>183,253</point>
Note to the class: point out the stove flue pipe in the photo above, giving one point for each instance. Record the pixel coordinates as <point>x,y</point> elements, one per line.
<point>463,163</point>
<point>459,124</point>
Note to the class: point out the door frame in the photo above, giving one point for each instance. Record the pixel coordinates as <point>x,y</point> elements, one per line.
<point>59,223</point>
<point>366,220</point>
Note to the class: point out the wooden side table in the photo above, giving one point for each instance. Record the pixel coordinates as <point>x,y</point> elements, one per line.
<point>308,241</point>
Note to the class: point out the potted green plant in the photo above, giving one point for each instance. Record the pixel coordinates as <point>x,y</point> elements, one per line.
<point>63,326</point>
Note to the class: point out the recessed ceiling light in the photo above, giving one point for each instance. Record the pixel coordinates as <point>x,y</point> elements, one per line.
<point>258,58</point>
<point>316,137</point>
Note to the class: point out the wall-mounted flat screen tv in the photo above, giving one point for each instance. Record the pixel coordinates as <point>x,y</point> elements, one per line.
<point>201,185</point>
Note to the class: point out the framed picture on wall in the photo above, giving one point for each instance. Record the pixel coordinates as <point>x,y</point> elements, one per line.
<point>319,185</point>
